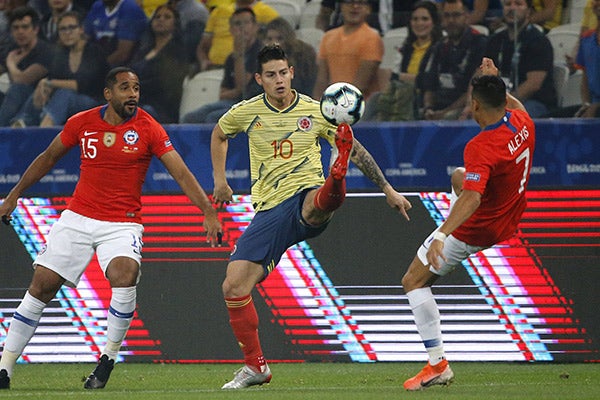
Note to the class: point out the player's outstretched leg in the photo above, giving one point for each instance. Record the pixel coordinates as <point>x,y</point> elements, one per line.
<point>344,140</point>
<point>331,195</point>
<point>100,375</point>
<point>439,374</point>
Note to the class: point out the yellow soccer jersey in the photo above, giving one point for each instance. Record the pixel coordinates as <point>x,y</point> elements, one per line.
<point>285,153</point>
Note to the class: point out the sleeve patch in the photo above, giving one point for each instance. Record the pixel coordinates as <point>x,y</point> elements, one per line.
<point>472,176</point>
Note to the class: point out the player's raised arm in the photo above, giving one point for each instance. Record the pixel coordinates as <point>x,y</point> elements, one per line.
<point>488,68</point>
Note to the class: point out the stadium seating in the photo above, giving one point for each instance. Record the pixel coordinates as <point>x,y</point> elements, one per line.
<point>202,88</point>
<point>575,10</point>
<point>563,39</point>
<point>392,41</point>
<point>571,95</point>
<point>561,77</point>
<point>308,16</point>
<point>311,36</point>
<point>4,82</point>
<point>288,9</point>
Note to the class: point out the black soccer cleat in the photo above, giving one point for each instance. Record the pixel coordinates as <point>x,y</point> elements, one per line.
<point>4,379</point>
<point>100,375</point>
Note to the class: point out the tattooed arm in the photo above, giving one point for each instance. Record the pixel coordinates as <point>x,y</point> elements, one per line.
<point>365,162</point>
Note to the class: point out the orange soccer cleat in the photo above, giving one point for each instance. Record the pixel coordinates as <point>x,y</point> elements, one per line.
<point>439,374</point>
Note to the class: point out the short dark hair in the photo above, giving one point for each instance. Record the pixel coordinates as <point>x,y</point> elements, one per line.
<point>489,90</point>
<point>268,53</point>
<point>111,77</point>
<point>242,10</point>
<point>22,12</point>
<point>71,13</point>
<point>464,6</point>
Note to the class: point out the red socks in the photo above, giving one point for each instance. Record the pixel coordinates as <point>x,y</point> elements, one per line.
<point>331,195</point>
<point>244,322</point>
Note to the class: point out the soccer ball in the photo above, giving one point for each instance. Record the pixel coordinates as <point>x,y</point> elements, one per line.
<point>342,102</point>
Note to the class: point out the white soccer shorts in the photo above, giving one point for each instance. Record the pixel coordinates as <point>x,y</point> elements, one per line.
<point>74,238</point>
<point>455,252</point>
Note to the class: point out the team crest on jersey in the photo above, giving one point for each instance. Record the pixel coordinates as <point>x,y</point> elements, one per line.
<point>109,138</point>
<point>131,137</point>
<point>304,124</point>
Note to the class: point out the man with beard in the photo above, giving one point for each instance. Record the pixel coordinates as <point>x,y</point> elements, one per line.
<point>117,142</point>
<point>525,59</point>
<point>445,79</point>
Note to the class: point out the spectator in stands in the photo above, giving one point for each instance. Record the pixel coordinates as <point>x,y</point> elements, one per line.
<point>446,76</point>
<point>546,13</point>
<point>161,66</point>
<point>49,21</point>
<point>588,58</point>
<point>385,14</point>
<point>588,21</point>
<point>528,69</point>
<point>26,64</point>
<point>217,41</point>
<point>398,100</point>
<point>193,15</point>
<point>483,12</point>
<point>350,53</point>
<point>74,82</point>
<point>117,25</point>
<point>238,79</point>
<point>302,56</point>
<point>6,41</point>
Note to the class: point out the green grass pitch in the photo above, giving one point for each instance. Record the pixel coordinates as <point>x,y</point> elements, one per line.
<point>308,381</point>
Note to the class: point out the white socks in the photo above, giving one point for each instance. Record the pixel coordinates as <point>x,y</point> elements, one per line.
<point>120,314</point>
<point>427,320</point>
<point>28,314</point>
<point>22,327</point>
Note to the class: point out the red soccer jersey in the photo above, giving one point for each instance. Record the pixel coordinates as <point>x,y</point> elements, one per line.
<point>497,165</point>
<point>114,162</point>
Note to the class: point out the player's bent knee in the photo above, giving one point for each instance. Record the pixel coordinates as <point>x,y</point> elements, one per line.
<point>409,283</point>
<point>232,290</point>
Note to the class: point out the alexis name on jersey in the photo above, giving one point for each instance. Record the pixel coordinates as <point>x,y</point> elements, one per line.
<point>518,140</point>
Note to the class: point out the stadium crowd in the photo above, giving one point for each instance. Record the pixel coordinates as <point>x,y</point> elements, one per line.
<point>168,42</point>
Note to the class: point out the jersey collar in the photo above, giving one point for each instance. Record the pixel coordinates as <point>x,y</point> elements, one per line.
<point>291,106</point>
<point>503,121</point>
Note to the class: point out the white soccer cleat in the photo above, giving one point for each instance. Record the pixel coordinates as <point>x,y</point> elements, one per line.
<point>246,377</point>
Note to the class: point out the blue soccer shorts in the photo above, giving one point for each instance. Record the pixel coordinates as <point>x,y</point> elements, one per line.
<point>272,232</point>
